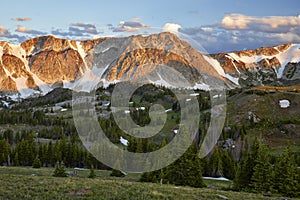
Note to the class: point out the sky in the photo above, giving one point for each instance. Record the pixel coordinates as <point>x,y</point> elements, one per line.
<point>217,25</point>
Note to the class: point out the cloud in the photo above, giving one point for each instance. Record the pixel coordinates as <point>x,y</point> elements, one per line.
<point>3,29</point>
<point>238,32</point>
<point>21,19</point>
<point>82,28</point>
<point>272,24</point>
<point>7,35</point>
<point>170,27</point>
<point>133,25</point>
<point>217,40</point>
<point>23,29</point>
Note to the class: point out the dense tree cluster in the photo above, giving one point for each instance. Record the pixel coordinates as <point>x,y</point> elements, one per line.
<point>256,172</point>
<point>186,170</point>
<point>26,151</point>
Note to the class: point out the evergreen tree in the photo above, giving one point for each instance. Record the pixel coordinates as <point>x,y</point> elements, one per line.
<point>92,172</point>
<point>263,172</point>
<point>50,154</point>
<point>246,166</point>
<point>36,162</point>
<point>187,170</point>
<point>285,174</point>
<point>17,137</point>
<point>4,151</point>
<point>60,170</point>
<point>215,163</point>
<point>16,159</point>
<point>228,165</point>
<point>132,146</point>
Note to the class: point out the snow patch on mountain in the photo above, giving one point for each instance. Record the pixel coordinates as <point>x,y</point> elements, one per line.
<point>216,65</point>
<point>124,141</point>
<point>232,79</point>
<point>5,103</point>
<point>45,88</point>
<point>87,82</point>
<point>284,103</point>
<point>23,89</point>
<point>289,55</point>
<point>105,50</point>
<point>218,179</point>
<point>220,70</point>
<point>233,63</point>
<point>292,55</point>
<point>82,53</point>
<point>162,82</point>
<point>20,53</point>
<point>201,86</point>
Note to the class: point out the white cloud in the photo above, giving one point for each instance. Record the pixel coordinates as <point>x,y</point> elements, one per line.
<point>265,24</point>
<point>171,27</point>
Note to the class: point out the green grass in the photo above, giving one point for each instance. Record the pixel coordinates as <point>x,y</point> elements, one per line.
<point>18,183</point>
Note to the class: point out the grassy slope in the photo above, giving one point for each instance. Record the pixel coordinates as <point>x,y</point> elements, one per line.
<point>279,126</point>
<point>17,183</point>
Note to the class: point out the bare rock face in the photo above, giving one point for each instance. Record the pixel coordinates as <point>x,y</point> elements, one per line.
<point>6,83</point>
<point>292,71</point>
<point>52,66</point>
<point>262,51</point>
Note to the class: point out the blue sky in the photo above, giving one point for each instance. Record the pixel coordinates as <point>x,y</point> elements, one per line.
<point>218,25</point>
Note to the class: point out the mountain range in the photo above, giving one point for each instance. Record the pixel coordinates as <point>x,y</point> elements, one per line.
<point>37,66</point>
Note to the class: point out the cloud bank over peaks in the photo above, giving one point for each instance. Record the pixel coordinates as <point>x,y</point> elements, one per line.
<point>239,32</point>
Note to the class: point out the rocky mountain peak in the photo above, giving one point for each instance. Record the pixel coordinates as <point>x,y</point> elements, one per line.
<point>38,64</point>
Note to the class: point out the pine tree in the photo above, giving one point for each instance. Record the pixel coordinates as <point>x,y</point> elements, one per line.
<point>92,172</point>
<point>50,154</point>
<point>4,151</point>
<point>36,162</point>
<point>60,170</point>
<point>187,170</point>
<point>228,165</point>
<point>285,174</point>
<point>246,166</point>
<point>215,163</point>
<point>263,172</point>
<point>16,159</point>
